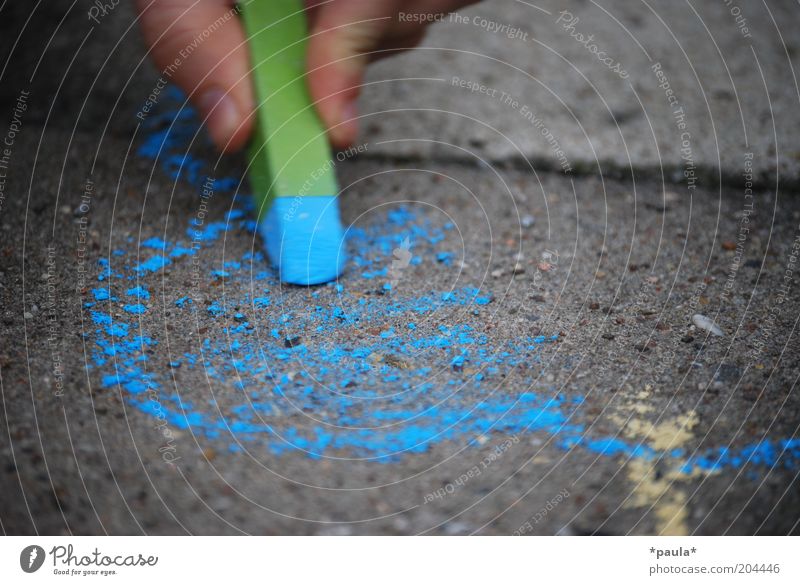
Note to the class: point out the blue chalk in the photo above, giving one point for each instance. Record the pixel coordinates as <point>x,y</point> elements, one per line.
<point>304,239</point>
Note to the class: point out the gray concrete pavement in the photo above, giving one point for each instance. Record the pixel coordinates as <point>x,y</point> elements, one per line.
<point>734,93</point>
<point>534,367</point>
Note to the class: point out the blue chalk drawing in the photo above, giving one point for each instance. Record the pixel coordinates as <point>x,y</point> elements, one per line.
<point>378,376</point>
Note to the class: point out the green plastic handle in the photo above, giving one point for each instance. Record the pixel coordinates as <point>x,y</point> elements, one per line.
<point>289,154</point>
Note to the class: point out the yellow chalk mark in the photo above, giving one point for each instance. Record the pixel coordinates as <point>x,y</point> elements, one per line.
<point>649,489</point>
<point>665,435</point>
<point>662,492</point>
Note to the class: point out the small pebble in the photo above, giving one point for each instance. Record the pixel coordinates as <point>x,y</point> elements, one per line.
<point>706,324</point>
<point>28,315</point>
<point>528,221</point>
<point>519,269</point>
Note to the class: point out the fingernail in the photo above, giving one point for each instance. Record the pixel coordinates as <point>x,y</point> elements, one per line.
<point>220,113</point>
<point>349,113</point>
<point>348,125</point>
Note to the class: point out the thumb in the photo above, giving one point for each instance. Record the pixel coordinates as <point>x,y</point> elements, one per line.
<point>201,44</point>
<point>343,33</point>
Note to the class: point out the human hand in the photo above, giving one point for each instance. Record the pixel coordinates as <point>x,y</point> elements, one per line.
<point>345,35</point>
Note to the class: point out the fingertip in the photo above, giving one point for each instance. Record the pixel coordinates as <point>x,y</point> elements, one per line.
<point>334,90</point>
<point>227,120</point>
<point>344,131</point>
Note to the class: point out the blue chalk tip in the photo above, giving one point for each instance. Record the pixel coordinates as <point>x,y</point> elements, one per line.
<point>304,238</point>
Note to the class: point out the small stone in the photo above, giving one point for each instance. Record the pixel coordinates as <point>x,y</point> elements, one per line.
<point>594,306</point>
<point>729,246</point>
<point>608,336</point>
<point>518,269</point>
<point>497,273</point>
<point>292,342</point>
<point>544,266</point>
<point>528,221</point>
<point>706,324</point>
<point>28,315</point>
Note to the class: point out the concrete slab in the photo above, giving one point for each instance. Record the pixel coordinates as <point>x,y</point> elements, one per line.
<point>534,365</point>
<point>583,85</point>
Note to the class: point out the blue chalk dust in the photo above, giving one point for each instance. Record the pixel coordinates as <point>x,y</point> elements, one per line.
<point>296,378</point>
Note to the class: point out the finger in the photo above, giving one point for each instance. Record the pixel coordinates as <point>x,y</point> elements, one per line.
<point>200,43</point>
<point>343,35</point>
